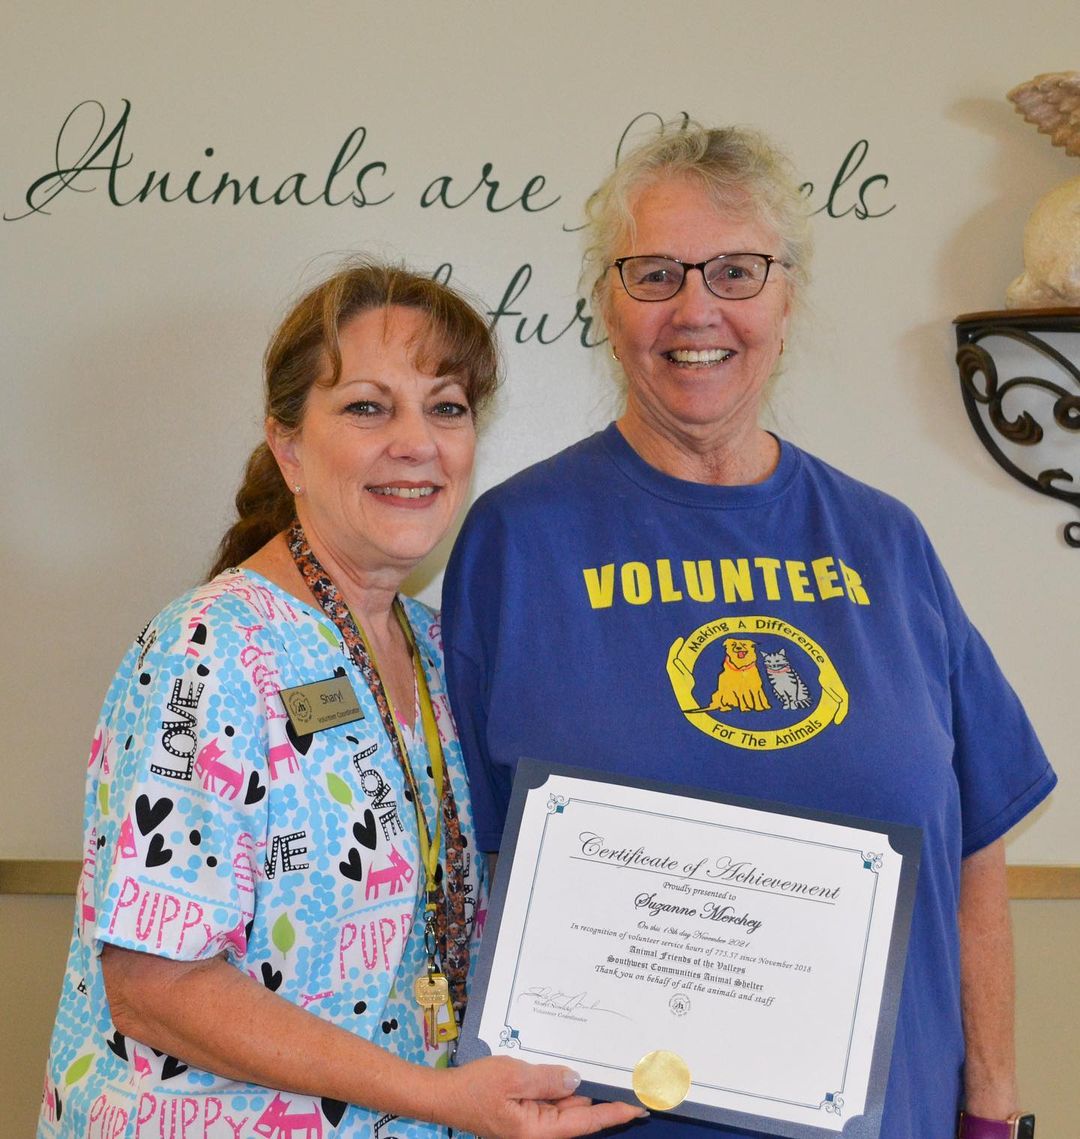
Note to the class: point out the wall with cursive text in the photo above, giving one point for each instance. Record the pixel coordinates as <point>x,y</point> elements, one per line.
<point>172,177</point>
<point>173,174</point>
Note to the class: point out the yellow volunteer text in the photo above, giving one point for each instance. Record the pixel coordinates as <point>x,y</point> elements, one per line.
<point>732,579</point>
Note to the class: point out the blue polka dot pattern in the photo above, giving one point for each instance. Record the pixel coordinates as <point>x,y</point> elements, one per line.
<point>211,828</point>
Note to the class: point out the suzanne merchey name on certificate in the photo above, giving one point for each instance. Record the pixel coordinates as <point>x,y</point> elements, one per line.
<point>763,947</point>
<point>650,947</point>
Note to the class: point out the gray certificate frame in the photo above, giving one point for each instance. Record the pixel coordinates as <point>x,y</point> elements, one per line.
<point>905,840</point>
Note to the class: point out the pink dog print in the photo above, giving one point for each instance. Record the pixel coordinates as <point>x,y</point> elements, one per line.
<point>395,875</point>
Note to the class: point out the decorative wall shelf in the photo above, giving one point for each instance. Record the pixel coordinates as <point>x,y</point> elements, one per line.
<point>1020,370</point>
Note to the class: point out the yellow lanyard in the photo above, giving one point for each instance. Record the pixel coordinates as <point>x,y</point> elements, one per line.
<point>429,844</point>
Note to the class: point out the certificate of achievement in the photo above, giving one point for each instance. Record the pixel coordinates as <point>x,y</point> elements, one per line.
<point>737,959</point>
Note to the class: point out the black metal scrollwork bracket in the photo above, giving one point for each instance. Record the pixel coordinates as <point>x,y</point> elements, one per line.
<point>975,359</point>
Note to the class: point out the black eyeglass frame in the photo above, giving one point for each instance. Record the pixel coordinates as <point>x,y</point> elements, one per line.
<point>769,260</point>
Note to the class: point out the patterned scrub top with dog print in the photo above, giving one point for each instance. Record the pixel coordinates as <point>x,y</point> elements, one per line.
<point>211,828</point>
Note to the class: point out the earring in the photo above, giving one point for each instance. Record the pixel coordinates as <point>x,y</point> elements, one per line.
<point>614,354</point>
<point>296,489</point>
<point>781,346</point>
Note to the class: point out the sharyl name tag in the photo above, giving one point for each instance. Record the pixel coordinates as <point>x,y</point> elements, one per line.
<point>320,705</point>
<point>732,960</point>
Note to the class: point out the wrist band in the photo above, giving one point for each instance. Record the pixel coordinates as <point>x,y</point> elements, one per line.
<point>1020,1125</point>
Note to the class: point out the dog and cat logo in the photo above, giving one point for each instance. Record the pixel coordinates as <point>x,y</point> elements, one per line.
<point>755,682</point>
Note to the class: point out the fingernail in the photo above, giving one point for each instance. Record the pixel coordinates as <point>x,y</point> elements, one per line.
<point>570,1081</point>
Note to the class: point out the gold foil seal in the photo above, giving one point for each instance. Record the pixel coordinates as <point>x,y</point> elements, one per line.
<point>661,1080</point>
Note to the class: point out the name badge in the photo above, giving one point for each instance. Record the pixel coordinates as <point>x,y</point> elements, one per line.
<point>321,705</point>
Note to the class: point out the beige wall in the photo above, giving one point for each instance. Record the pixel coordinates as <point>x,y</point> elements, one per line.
<point>1047,936</point>
<point>36,932</point>
<point>132,333</point>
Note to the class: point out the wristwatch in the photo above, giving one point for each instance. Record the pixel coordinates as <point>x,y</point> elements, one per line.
<point>1019,1125</point>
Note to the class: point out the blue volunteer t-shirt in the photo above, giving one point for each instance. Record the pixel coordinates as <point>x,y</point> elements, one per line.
<point>794,640</point>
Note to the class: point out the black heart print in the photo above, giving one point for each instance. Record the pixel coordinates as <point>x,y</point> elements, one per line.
<point>150,816</point>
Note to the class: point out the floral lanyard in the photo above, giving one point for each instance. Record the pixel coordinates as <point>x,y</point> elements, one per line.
<point>445,928</point>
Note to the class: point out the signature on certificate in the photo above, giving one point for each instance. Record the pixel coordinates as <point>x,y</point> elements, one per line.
<point>545,998</point>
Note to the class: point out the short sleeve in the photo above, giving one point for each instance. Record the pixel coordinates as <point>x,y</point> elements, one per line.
<point>1001,769</point>
<point>1000,765</point>
<point>180,789</point>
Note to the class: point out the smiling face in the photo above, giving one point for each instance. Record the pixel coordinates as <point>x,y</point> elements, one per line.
<point>383,458</point>
<point>696,365</point>
<point>740,652</point>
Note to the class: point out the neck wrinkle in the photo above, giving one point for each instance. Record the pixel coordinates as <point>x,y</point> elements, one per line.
<point>747,458</point>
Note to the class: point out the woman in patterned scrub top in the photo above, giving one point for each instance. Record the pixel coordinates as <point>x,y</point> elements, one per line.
<point>278,846</point>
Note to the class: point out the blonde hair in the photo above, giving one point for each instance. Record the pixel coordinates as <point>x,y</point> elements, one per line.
<point>457,342</point>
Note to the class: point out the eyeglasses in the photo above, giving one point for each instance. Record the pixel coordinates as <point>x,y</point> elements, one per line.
<point>730,276</point>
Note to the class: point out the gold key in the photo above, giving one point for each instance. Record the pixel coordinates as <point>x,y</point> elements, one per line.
<point>432,993</point>
<point>431,990</point>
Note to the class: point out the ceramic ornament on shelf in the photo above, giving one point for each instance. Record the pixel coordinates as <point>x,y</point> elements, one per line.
<point>1051,277</point>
